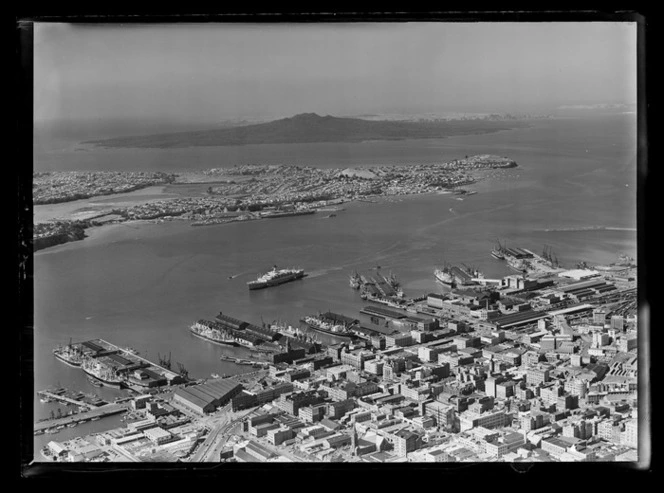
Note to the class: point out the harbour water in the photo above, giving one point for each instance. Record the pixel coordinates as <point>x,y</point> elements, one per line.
<point>143,285</point>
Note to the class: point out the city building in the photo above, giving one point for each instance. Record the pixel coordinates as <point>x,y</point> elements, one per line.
<point>492,419</point>
<point>205,398</point>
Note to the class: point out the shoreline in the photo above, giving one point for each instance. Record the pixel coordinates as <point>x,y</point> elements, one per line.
<point>98,232</point>
<point>104,204</point>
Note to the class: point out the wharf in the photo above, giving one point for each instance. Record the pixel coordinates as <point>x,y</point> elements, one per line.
<point>99,412</point>
<point>136,356</point>
<point>245,362</point>
<point>385,313</point>
<point>65,399</point>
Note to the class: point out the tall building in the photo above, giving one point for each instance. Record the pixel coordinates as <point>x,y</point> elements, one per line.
<point>609,431</point>
<point>600,339</point>
<point>599,316</point>
<point>533,421</point>
<point>405,441</point>
<point>581,429</point>
<point>550,393</point>
<point>356,358</point>
<point>617,322</point>
<point>442,413</point>
<point>631,434</point>
<point>492,419</point>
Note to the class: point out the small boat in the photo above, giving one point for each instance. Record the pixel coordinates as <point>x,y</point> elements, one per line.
<point>96,418</point>
<point>59,427</point>
<point>71,425</point>
<point>94,382</point>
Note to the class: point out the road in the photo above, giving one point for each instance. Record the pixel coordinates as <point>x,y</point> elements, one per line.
<point>220,425</point>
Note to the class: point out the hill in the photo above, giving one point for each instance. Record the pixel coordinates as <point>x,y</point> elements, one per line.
<point>309,128</point>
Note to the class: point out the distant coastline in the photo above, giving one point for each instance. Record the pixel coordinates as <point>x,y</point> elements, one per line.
<point>586,228</point>
<point>312,128</point>
<point>242,193</point>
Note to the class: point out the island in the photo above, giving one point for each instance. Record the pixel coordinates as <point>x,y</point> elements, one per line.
<point>311,128</point>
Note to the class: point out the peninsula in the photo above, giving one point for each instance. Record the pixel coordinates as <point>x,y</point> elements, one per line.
<point>240,193</point>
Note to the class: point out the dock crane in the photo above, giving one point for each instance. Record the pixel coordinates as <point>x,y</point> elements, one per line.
<point>182,370</point>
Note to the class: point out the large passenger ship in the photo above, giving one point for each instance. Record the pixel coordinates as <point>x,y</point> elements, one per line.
<point>276,277</point>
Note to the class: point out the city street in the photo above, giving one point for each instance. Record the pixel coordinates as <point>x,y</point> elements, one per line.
<point>220,425</point>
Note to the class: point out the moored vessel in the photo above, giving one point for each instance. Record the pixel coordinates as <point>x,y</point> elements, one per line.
<point>517,264</point>
<point>94,382</point>
<point>498,251</point>
<point>202,330</point>
<point>102,373</point>
<point>445,276</point>
<point>320,325</point>
<point>355,281</point>
<point>69,354</point>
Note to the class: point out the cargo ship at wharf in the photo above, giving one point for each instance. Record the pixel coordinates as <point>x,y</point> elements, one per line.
<point>113,366</point>
<point>203,331</point>
<point>286,330</point>
<point>355,281</point>
<point>328,326</point>
<point>391,302</point>
<point>377,285</point>
<point>294,333</point>
<point>244,362</point>
<point>498,252</point>
<point>276,277</point>
<point>521,259</point>
<point>453,276</point>
<point>103,374</point>
<point>69,355</point>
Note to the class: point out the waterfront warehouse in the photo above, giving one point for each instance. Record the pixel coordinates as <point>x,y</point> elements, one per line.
<point>205,398</point>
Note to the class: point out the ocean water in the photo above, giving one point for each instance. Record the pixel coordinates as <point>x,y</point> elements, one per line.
<point>143,285</point>
<point>552,141</point>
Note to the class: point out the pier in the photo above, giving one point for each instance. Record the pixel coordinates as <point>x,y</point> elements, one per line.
<point>245,362</point>
<point>123,363</point>
<point>98,412</point>
<point>135,355</point>
<point>483,281</point>
<point>66,400</point>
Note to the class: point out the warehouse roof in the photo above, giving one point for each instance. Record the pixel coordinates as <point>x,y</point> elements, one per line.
<point>518,318</point>
<point>571,309</point>
<point>339,318</point>
<point>379,310</point>
<point>193,399</point>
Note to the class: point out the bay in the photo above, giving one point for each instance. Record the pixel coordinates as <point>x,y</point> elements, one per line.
<point>142,285</point>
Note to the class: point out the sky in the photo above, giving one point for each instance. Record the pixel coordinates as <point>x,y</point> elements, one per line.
<point>213,72</point>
